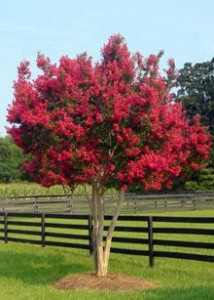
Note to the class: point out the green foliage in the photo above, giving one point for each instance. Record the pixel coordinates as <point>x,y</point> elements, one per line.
<point>11,160</point>
<point>196,92</point>
<point>204,180</point>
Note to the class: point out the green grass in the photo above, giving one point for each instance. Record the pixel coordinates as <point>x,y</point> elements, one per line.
<point>28,271</point>
<point>28,189</point>
<point>34,189</point>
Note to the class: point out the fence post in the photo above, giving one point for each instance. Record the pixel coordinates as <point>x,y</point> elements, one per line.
<point>182,203</point>
<point>43,229</point>
<point>36,206</point>
<point>165,205</point>
<point>194,204</point>
<point>70,205</point>
<point>6,227</point>
<point>90,234</point>
<point>151,245</point>
<point>135,207</point>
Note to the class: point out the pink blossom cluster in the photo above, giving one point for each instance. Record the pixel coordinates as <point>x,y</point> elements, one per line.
<point>112,122</point>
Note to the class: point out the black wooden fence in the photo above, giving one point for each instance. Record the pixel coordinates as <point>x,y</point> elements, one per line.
<point>134,235</point>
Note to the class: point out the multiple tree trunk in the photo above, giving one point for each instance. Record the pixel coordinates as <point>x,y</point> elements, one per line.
<point>101,248</point>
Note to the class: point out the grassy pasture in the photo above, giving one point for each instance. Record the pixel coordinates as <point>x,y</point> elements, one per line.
<point>34,189</point>
<point>31,189</point>
<point>27,271</point>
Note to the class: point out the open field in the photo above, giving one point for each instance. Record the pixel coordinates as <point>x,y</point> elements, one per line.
<point>34,189</point>
<point>27,189</point>
<point>27,272</point>
<point>30,189</point>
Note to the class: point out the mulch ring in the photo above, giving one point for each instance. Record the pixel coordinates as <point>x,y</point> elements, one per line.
<point>112,282</point>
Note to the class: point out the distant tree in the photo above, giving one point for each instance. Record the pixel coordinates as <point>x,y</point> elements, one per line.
<point>112,124</point>
<point>8,171</point>
<point>202,180</point>
<point>11,160</point>
<point>5,169</point>
<point>196,92</point>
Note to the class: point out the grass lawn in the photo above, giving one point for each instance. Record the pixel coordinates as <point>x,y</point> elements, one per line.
<point>27,272</point>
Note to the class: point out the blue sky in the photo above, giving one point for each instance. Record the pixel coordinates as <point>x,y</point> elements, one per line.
<point>183,29</point>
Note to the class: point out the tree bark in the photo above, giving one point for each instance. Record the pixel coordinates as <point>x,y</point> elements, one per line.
<point>101,249</point>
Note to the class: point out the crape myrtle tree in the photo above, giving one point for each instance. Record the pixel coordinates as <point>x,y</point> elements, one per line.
<point>109,124</point>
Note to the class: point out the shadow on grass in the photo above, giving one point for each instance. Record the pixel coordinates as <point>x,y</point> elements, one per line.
<point>38,268</point>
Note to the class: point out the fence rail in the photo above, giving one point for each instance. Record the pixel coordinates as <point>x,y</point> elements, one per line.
<point>133,203</point>
<point>149,236</point>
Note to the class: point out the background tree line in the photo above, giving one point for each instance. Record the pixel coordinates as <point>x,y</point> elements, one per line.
<point>196,92</point>
<point>195,89</point>
<point>11,160</point>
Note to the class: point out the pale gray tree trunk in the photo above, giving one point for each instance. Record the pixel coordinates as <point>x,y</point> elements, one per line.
<point>101,248</point>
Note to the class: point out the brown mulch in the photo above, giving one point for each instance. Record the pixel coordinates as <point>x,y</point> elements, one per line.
<point>115,282</point>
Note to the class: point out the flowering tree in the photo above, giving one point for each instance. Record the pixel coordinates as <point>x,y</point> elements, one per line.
<point>111,124</point>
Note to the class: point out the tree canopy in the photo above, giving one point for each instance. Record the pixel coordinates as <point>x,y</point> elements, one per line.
<point>112,123</point>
